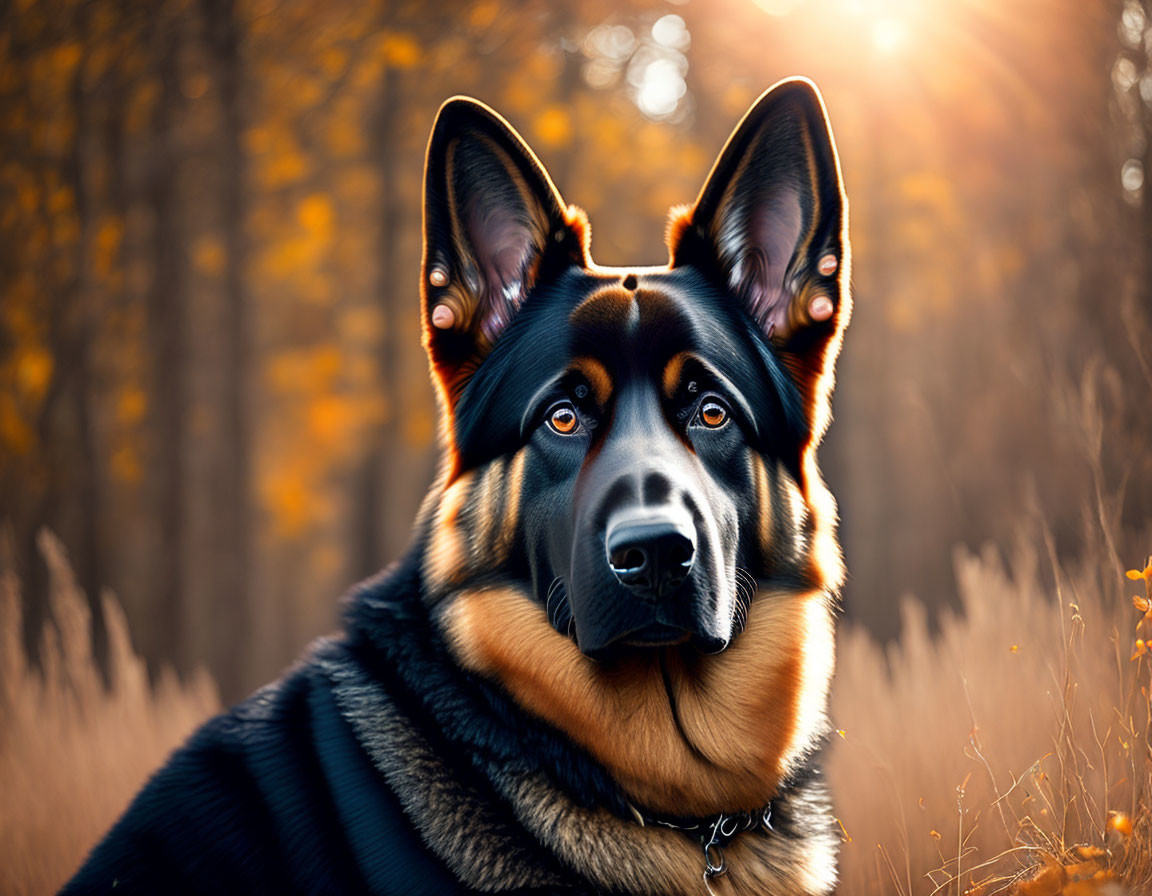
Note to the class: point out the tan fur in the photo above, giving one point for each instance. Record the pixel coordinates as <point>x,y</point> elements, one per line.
<point>611,305</point>
<point>673,372</point>
<point>484,504</point>
<point>826,561</point>
<point>746,714</point>
<point>624,857</point>
<point>461,542</point>
<point>598,378</point>
<point>447,554</point>
<point>512,487</point>
<point>794,514</point>
<point>577,220</point>
<point>764,501</point>
<point>614,854</point>
<point>679,220</point>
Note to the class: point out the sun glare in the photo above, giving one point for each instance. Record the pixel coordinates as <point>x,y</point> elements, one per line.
<point>884,24</point>
<point>778,7</point>
<point>889,34</point>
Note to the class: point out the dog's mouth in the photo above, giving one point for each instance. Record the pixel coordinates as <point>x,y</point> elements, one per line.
<point>651,629</point>
<point>657,634</point>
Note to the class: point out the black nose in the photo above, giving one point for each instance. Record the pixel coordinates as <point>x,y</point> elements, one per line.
<point>651,556</point>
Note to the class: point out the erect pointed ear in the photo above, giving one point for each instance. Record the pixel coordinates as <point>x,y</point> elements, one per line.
<point>494,226</point>
<point>771,225</point>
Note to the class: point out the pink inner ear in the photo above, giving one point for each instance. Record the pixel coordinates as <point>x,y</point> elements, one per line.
<point>757,246</point>
<point>502,241</point>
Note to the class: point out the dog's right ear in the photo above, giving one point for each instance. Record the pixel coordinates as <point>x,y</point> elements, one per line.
<point>494,227</point>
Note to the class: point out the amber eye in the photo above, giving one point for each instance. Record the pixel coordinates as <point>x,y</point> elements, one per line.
<point>713,414</point>
<point>563,419</point>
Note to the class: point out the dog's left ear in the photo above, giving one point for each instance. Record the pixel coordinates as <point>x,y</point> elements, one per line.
<point>494,226</point>
<point>771,226</point>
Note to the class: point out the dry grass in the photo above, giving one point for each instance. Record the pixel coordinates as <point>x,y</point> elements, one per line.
<point>1007,753</point>
<point>72,752</point>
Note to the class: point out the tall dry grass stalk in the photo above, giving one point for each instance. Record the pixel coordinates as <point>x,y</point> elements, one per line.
<point>1009,752</point>
<point>73,752</point>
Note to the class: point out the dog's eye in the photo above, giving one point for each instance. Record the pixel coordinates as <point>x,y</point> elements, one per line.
<point>562,418</point>
<point>713,414</point>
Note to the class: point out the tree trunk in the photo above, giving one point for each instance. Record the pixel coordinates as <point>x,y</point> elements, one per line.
<point>166,335</point>
<point>231,548</point>
<point>88,553</point>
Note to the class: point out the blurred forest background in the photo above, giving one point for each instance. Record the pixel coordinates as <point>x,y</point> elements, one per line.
<point>211,381</point>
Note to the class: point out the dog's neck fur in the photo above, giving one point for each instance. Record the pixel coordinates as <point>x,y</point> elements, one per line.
<point>450,745</point>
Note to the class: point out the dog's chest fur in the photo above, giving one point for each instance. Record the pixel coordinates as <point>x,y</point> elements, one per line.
<point>503,825</point>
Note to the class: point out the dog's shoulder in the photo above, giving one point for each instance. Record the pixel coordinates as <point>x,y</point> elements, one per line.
<point>275,795</point>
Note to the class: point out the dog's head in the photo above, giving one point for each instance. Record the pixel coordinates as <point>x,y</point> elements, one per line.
<point>630,452</point>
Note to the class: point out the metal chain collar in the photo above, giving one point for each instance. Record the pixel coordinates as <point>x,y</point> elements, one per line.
<point>716,833</point>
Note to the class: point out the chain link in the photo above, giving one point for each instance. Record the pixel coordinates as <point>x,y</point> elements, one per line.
<point>718,832</point>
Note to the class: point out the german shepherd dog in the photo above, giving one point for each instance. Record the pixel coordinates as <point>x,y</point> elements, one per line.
<point>603,664</point>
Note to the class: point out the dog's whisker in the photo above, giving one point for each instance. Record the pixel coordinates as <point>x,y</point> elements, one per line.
<point>746,586</point>
<point>557,584</point>
<point>557,608</point>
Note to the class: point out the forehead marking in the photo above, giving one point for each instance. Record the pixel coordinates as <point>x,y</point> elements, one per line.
<point>610,305</point>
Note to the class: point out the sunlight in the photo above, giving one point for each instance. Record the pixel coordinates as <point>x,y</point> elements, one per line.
<point>885,25</point>
<point>778,7</point>
<point>653,64</point>
<point>889,34</point>
<point>887,22</point>
<point>659,87</point>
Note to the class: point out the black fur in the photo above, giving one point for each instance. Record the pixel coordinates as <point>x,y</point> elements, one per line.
<point>379,763</point>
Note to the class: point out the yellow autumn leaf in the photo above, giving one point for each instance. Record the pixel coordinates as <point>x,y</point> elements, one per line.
<point>16,435</point>
<point>1120,823</point>
<point>106,245</point>
<point>131,405</point>
<point>333,61</point>
<point>419,429</point>
<point>287,500</point>
<point>400,51</point>
<point>208,256</point>
<point>484,14</point>
<point>282,168</point>
<point>316,214</point>
<point>66,57</point>
<point>34,372</point>
<point>1145,573</point>
<point>553,126</point>
<point>126,465</point>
